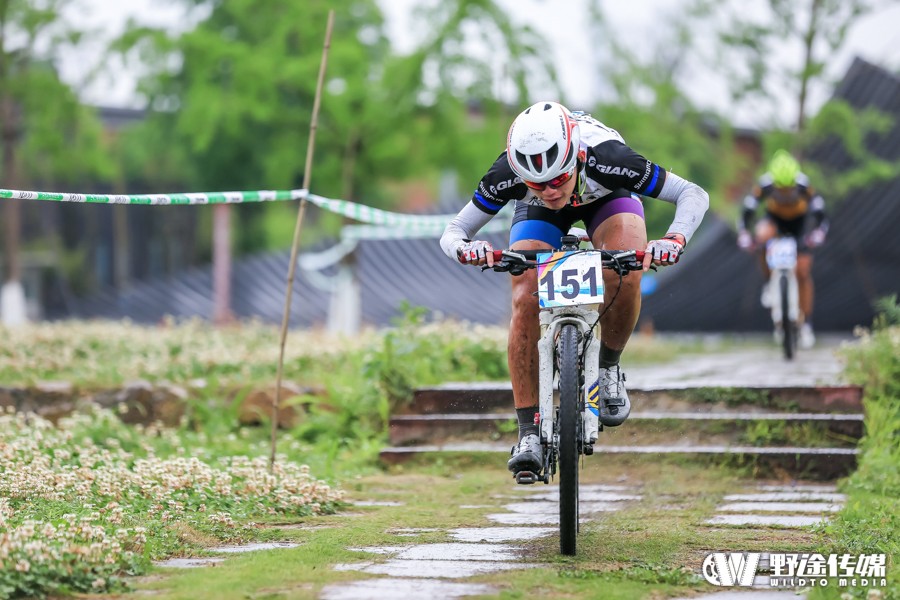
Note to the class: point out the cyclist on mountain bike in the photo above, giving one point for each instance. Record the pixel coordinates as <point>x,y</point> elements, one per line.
<point>561,168</point>
<point>793,208</point>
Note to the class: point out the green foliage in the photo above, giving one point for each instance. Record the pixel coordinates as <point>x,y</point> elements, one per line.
<point>752,49</point>
<point>33,36</point>
<point>869,523</point>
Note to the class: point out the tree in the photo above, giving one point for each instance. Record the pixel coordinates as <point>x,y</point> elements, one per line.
<point>42,121</point>
<point>234,97</point>
<point>643,99</point>
<point>757,41</point>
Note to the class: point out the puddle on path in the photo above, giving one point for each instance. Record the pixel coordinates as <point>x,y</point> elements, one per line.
<point>442,569</point>
<point>787,507</point>
<point>376,503</point>
<point>254,547</point>
<point>765,520</point>
<point>500,534</point>
<point>787,497</point>
<point>403,589</point>
<point>188,563</point>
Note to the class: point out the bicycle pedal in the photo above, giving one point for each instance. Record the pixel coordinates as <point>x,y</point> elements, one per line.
<point>588,449</point>
<point>526,478</point>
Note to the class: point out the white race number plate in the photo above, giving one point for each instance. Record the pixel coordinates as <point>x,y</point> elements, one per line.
<point>569,278</point>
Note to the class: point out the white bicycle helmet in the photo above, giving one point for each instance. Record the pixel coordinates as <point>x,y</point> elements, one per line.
<point>543,142</point>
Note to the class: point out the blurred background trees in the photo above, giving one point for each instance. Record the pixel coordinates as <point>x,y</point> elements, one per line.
<point>227,102</point>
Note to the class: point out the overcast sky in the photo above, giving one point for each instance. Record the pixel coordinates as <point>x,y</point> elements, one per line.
<point>876,38</point>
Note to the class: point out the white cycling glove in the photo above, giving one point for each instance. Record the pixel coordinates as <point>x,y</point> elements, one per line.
<point>815,238</point>
<point>665,251</point>
<point>475,253</point>
<point>744,240</point>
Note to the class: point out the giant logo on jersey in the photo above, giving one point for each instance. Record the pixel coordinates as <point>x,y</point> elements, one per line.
<point>610,170</point>
<point>504,185</point>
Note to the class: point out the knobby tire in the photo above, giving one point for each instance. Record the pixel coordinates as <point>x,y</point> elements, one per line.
<point>569,436</point>
<point>788,327</point>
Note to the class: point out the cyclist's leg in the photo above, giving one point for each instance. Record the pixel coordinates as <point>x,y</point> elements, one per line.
<point>805,286</point>
<point>617,224</point>
<point>533,227</point>
<point>764,231</point>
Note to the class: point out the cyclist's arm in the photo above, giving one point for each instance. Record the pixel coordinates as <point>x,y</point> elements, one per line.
<point>495,190</point>
<point>817,209</point>
<point>614,164</point>
<point>752,202</point>
<point>691,203</point>
<point>462,228</point>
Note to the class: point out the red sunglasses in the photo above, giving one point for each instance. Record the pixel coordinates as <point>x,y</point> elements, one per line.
<point>556,182</point>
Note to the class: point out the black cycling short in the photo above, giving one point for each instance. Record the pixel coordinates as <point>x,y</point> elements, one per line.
<point>796,228</point>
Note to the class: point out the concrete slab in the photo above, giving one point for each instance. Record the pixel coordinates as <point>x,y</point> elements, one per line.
<point>788,497</point>
<point>526,519</point>
<point>254,547</point>
<point>540,507</point>
<point>786,507</point>
<point>188,563</point>
<point>756,595</point>
<point>402,589</point>
<point>765,520</point>
<point>439,569</point>
<point>500,534</point>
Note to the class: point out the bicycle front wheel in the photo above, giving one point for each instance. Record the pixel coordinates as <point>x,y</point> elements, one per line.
<point>570,428</point>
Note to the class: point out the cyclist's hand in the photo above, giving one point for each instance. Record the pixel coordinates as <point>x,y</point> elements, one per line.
<point>745,240</point>
<point>815,238</point>
<point>665,251</point>
<point>476,253</point>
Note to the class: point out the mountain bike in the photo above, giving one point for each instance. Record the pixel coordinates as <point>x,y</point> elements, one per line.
<point>569,281</point>
<point>781,256</point>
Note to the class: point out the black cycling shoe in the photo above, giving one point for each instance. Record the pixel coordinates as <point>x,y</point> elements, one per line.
<point>527,455</point>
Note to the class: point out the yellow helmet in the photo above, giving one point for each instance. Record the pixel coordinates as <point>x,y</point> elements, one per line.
<point>784,169</point>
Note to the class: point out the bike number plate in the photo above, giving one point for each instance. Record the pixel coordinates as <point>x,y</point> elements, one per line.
<point>781,253</point>
<point>569,279</point>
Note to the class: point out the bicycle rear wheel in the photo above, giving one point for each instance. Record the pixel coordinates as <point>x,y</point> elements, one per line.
<point>570,428</point>
<point>788,327</point>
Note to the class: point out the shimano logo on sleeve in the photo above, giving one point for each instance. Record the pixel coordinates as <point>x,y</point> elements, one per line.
<point>643,180</point>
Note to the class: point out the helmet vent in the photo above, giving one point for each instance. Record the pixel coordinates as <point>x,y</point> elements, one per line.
<point>548,106</point>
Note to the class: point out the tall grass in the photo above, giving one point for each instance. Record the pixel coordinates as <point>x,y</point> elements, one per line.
<point>870,522</point>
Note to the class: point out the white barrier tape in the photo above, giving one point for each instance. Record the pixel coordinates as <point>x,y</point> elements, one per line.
<point>352,210</point>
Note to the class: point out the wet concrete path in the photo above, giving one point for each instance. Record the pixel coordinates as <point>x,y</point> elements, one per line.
<point>531,513</point>
<point>435,570</point>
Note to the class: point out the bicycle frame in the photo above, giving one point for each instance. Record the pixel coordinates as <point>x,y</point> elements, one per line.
<point>784,293</point>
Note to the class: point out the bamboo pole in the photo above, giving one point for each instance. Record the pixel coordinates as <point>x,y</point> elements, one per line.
<point>276,402</point>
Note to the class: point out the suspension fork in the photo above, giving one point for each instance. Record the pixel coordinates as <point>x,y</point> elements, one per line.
<point>551,320</point>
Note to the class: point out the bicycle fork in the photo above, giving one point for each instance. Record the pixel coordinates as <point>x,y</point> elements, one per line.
<point>551,320</point>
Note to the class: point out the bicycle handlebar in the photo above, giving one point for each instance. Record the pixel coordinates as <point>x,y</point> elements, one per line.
<point>517,262</point>
<point>606,255</point>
